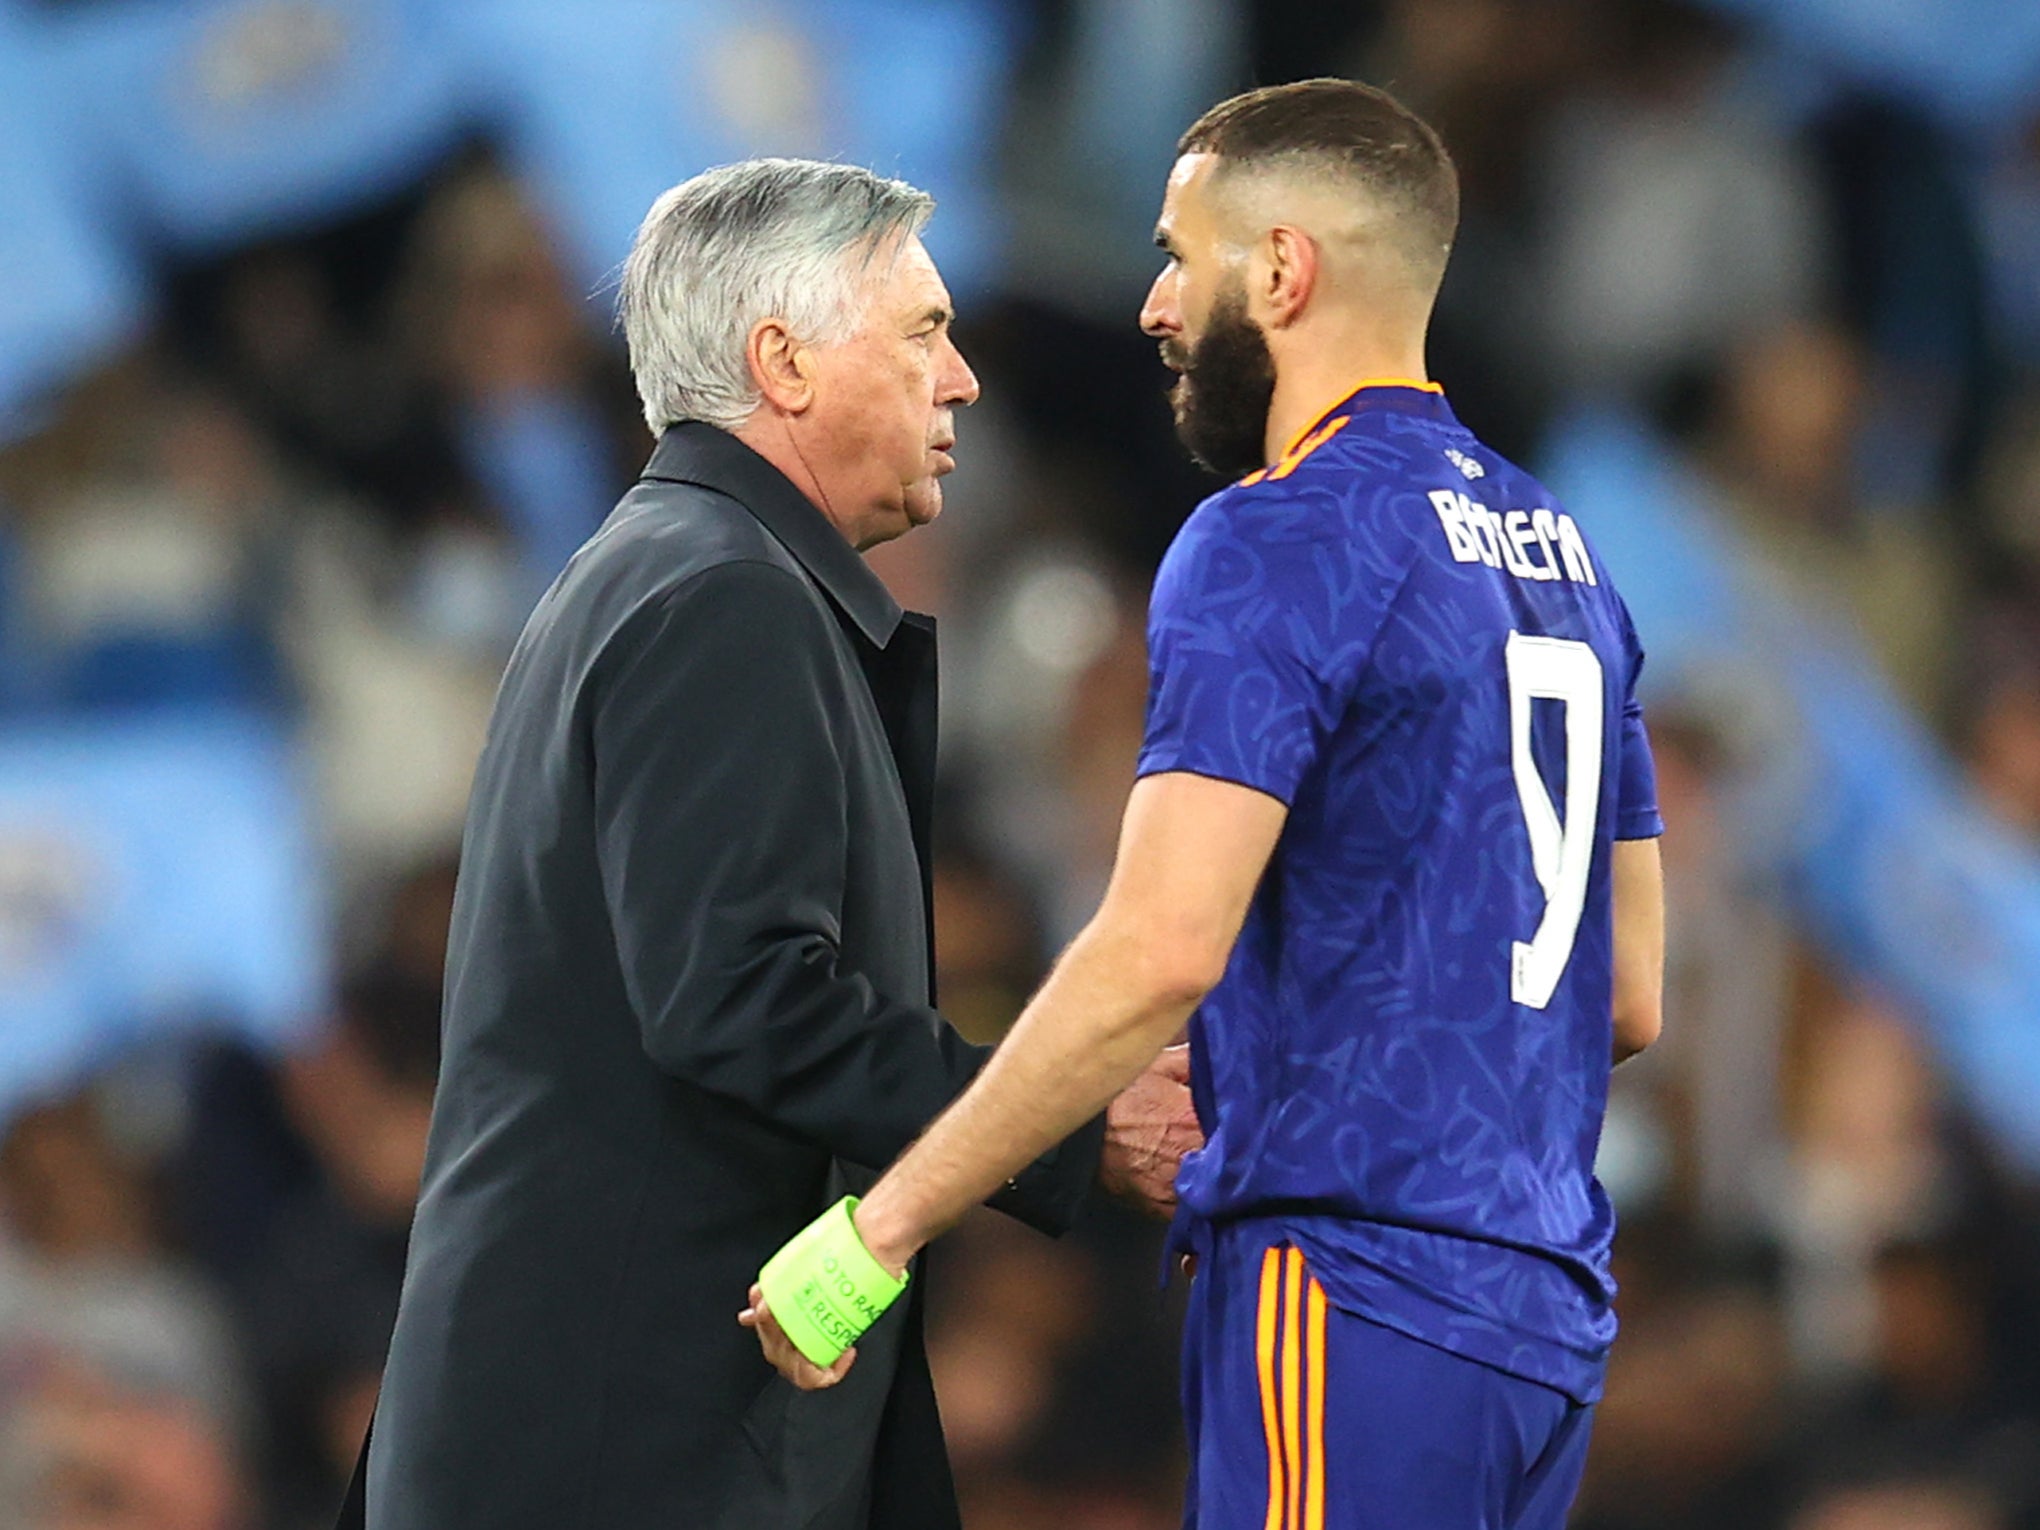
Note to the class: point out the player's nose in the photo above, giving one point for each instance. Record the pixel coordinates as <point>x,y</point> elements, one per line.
<point>1161,315</point>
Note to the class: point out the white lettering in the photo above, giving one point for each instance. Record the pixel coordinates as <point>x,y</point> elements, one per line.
<point>1547,534</point>
<point>1486,526</point>
<point>1461,540</point>
<point>1476,534</point>
<point>1512,551</point>
<point>1579,568</point>
<point>1520,536</point>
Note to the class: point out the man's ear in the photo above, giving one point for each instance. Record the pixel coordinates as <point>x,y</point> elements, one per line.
<point>782,369</point>
<point>1290,263</point>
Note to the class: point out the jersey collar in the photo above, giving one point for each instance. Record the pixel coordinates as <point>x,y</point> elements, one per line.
<point>1394,390</point>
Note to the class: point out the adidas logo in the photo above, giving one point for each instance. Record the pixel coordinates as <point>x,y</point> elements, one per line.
<point>1464,463</point>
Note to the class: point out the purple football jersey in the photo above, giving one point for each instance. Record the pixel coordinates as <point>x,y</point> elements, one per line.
<point>1404,638</point>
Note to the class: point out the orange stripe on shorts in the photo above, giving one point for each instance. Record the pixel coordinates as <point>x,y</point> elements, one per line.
<point>1264,1354</point>
<point>1314,1483</point>
<point>1292,1390</point>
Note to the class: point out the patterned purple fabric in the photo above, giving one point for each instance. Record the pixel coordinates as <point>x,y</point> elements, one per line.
<point>1402,636</point>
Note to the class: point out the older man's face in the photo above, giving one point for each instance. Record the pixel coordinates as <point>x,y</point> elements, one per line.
<point>884,400</point>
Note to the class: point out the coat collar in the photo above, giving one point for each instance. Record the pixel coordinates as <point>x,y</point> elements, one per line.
<point>695,453</point>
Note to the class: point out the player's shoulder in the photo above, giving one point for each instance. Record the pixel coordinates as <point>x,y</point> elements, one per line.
<point>1375,459</point>
<point>1482,508</point>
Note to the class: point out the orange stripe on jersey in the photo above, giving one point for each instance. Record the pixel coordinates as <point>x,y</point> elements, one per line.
<point>1292,1348</point>
<point>1310,443</point>
<point>1314,1483</point>
<point>1264,1354</point>
<point>1359,387</point>
<point>1292,459</point>
<point>1396,382</point>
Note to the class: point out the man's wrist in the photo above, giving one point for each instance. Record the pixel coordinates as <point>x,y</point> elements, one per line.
<point>883,1233</point>
<point>826,1288</point>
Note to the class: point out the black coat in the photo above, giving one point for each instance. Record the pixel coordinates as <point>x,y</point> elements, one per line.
<point>688,1003</point>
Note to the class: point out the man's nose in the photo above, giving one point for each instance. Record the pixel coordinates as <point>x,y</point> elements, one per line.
<point>959,382</point>
<point>1158,315</point>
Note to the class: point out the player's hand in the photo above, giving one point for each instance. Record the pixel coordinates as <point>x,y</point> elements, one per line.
<point>1148,1129</point>
<point>787,1360</point>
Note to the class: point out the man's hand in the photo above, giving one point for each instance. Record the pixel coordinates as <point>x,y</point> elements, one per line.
<point>1148,1129</point>
<point>787,1360</point>
<point>828,1288</point>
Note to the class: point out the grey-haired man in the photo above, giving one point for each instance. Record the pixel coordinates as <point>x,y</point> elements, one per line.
<point>688,996</point>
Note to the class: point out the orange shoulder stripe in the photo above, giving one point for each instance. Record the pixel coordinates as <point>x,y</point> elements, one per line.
<point>1307,445</point>
<point>1360,387</point>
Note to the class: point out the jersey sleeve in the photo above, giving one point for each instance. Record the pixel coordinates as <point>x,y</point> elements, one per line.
<point>1636,804</point>
<point>1259,623</point>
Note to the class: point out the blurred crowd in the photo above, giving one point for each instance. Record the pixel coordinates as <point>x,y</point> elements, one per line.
<point>333,477</point>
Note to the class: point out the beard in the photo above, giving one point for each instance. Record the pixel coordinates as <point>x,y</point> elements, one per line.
<point>1227,383</point>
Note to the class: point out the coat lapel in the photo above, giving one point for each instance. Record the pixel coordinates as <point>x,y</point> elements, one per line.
<point>902,676</point>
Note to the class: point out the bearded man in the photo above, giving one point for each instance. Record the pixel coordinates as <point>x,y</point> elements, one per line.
<point>1392,853</point>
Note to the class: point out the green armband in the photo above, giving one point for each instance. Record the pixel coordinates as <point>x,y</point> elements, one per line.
<point>825,1288</point>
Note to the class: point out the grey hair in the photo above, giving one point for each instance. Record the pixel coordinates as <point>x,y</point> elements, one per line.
<point>761,239</point>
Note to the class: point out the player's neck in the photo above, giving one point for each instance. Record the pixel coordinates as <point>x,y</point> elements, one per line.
<point>1309,385</point>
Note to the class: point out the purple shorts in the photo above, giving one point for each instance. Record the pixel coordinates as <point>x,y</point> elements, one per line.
<point>1302,1416</point>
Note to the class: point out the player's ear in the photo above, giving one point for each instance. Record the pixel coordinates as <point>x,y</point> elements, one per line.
<point>781,367</point>
<point>1291,262</point>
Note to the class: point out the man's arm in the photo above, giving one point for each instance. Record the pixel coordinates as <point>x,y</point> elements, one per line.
<point>1639,895</point>
<point>1191,854</point>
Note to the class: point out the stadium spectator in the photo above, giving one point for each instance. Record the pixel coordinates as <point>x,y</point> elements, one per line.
<point>122,1399</point>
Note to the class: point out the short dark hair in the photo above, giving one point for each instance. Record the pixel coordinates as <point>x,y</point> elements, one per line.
<point>1350,128</point>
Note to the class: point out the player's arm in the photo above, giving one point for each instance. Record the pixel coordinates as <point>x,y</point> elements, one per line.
<point>1191,853</point>
<point>1639,895</point>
